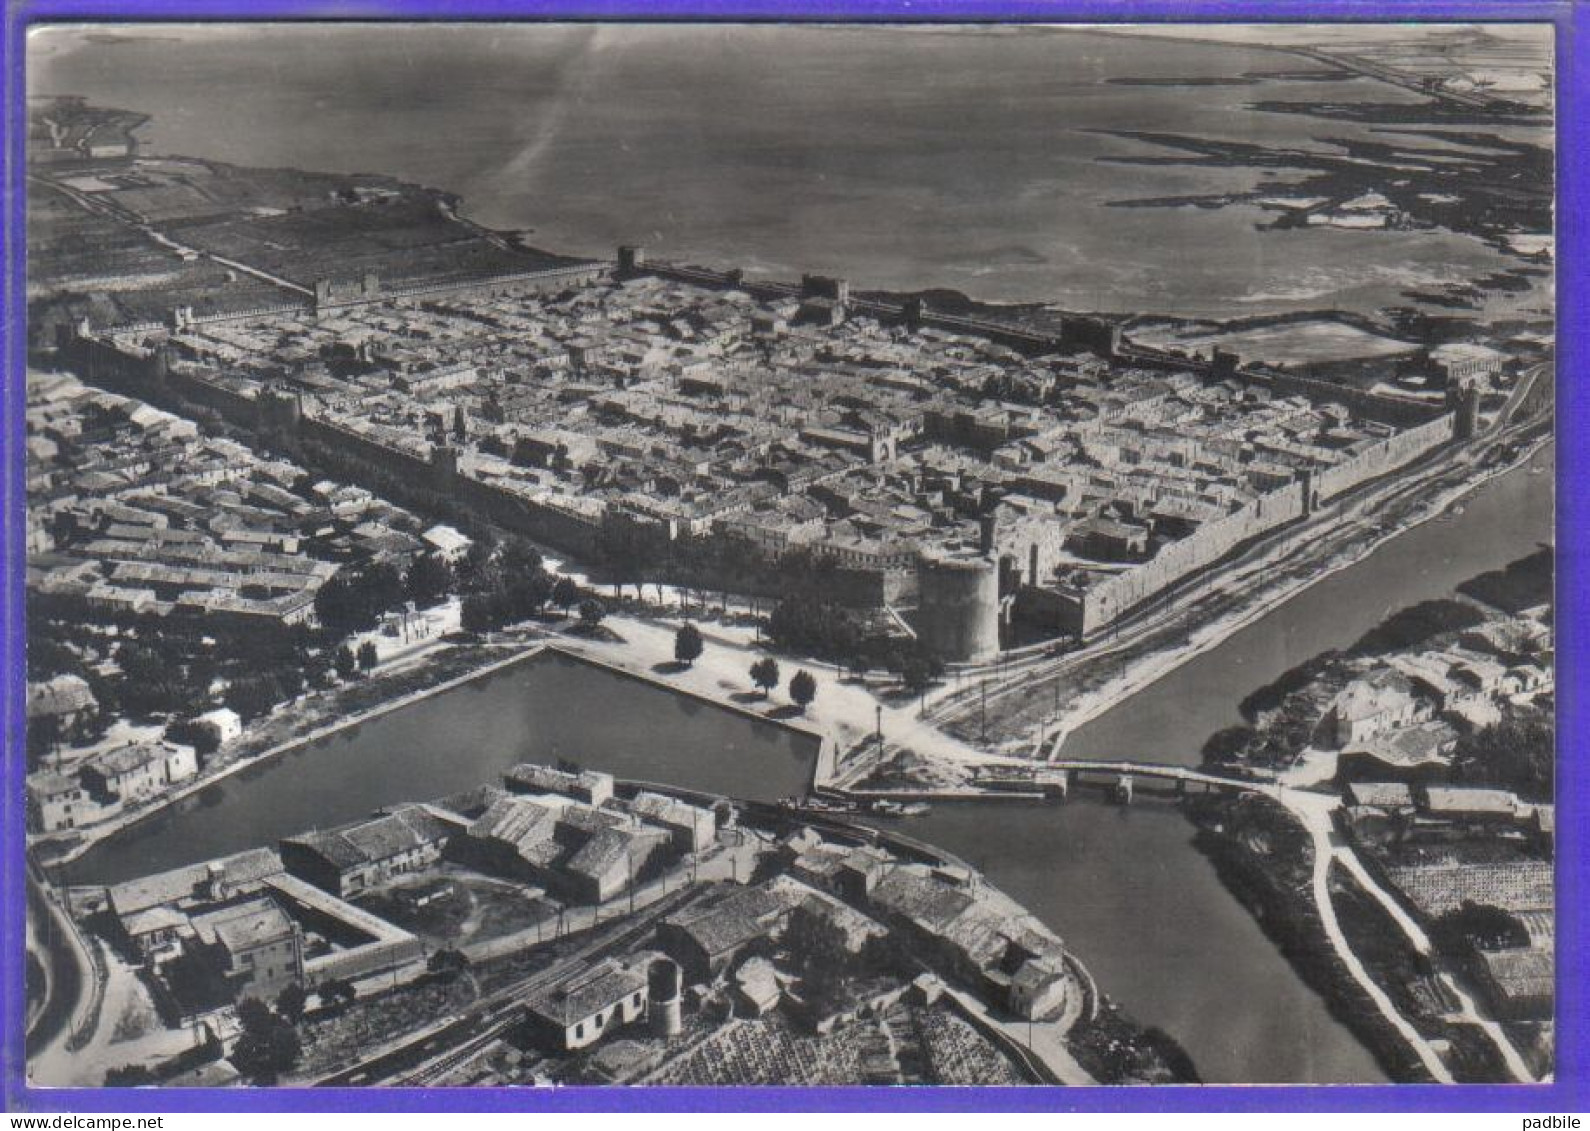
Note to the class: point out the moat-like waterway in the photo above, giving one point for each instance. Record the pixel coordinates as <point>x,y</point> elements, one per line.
<point>549,707</point>
<point>1123,887</point>
<point>1169,720</point>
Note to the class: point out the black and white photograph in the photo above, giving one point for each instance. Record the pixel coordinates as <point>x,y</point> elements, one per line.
<point>736,554</point>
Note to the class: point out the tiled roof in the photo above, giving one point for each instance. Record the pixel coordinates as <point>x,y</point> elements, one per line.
<point>670,811</point>
<point>403,830</point>
<point>240,870</point>
<point>1435,889</point>
<point>920,898</point>
<point>589,993</point>
<point>515,821</point>
<point>1523,972</point>
<point>1454,799</point>
<point>1381,794</point>
<point>729,918</point>
<point>245,926</point>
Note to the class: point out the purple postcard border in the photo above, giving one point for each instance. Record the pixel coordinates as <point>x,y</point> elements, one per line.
<point>1568,1092</point>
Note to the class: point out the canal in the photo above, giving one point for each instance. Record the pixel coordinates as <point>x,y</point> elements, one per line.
<point>1126,889</point>
<point>1169,720</point>
<point>1144,910</point>
<point>1123,887</point>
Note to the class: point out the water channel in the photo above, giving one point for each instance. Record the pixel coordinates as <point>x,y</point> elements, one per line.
<point>1124,887</point>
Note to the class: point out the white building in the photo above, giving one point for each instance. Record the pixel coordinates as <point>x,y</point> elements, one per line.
<point>226,723</point>
<point>451,544</point>
<point>56,801</point>
<point>1370,706</point>
<point>579,1012</point>
<point>139,770</point>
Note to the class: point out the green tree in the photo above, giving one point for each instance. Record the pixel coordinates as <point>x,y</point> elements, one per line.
<point>155,680</point>
<point>48,656</point>
<point>347,664</point>
<point>1479,925</point>
<point>368,658</point>
<point>268,1046</point>
<point>447,963</point>
<point>518,557</point>
<point>916,672</point>
<point>591,612</point>
<point>290,1003</point>
<point>805,624</point>
<point>253,695</point>
<point>565,593</point>
<point>821,956</point>
<point>688,644</point>
<point>44,736</point>
<point>338,990</point>
<point>130,1076</point>
<point>477,559</point>
<point>1230,744</point>
<point>802,688</point>
<point>429,579</point>
<point>764,673</point>
<point>478,613</point>
<point>204,737</point>
<point>1517,753</point>
<point>353,601</point>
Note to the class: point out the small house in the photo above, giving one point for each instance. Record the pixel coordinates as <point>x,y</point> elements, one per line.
<point>579,1012</point>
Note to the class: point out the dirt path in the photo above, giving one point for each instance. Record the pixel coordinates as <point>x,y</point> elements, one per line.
<point>1313,810</point>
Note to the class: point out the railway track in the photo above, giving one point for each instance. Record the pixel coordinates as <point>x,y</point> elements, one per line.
<point>430,1056</point>
<point>1133,630</point>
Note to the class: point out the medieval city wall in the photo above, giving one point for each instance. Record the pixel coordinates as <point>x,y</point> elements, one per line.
<point>1385,456</point>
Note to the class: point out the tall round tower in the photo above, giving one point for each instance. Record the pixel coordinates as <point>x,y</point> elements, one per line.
<point>958,606</point>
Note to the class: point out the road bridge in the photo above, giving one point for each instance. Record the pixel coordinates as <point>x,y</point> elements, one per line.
<point>1122,780</point>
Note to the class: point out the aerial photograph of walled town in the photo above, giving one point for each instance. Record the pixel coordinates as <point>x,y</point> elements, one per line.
<point>597,554</point>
